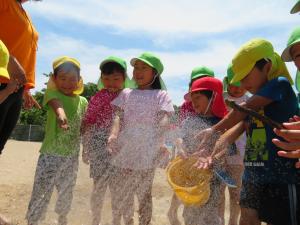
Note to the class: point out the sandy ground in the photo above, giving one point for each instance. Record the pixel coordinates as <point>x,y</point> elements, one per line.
<point>17,166</point>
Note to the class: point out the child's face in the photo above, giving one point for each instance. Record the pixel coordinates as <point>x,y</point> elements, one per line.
<point>66,83</point>
<point>113,82</point>
<point>236,91</point>
<point>200,103</point>
<point>295,53</point>
<point>256,78</point>
<point>142,73</point>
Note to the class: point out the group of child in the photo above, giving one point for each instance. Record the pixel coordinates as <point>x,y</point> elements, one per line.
<point>123,129</point>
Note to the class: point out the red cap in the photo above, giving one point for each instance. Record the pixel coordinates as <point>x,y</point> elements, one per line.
<point>212,84</point>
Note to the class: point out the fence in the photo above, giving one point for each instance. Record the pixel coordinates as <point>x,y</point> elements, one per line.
<point>28,133</point>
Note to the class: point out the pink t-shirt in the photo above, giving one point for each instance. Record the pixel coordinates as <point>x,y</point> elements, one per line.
<point>100,112</point>
<point>138,139</point>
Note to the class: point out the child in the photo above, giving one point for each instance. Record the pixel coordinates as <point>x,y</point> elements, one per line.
<point>234,163</point>
<point>269,182</point>
<point>58,161</point>
<point>207,99</point>
<point>185,111</point>
<point>96,126</point>
<point>144,114</point>
<point>186,108</point>
<point>292,131</point>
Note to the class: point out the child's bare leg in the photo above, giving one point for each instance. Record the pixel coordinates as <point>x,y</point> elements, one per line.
<point>234,205</point>
<point>234,193</point>
<point>172,213</point>
<point>97,199</point>
<point>221,209</point>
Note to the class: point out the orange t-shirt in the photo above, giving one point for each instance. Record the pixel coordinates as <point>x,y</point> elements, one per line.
<point>19,36</point>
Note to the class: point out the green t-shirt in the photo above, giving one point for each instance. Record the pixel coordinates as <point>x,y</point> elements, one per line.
<point>57,141</point>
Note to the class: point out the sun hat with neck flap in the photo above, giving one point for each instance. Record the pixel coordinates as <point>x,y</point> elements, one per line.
<point>294,38</point>
<point>128,83</point>
<point>228,78</point>
<point>153,61</point>
<point>58,62</point>
<point>218,106</point>
<point>251,52</point>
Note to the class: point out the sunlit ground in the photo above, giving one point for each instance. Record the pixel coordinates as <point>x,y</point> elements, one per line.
<point>17,166</point>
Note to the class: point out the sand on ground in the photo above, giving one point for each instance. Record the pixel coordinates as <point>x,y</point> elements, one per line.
<point>17,168</point>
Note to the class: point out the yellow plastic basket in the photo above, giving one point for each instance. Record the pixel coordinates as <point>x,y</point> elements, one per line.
<point>191,185</point>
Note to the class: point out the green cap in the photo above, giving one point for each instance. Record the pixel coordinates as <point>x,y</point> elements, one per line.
<point>201,71</point>
<point>151,60</point>
<point>227,80</point>
<point>296,8</point>
<point>293,39</point>
<point>114,59</point>
<point>128,83</point>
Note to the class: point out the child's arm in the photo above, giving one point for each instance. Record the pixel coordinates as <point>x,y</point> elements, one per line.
<point>221,146</point>
<point>231,119</point>
<point>114,133</point>
<point>60,113</point>
<point>10,88</point>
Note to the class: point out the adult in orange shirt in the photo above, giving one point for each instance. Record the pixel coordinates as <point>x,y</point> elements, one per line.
<point>20,37</point>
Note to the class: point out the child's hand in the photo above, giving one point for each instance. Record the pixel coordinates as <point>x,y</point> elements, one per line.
<point>85,157</point>
<point>63,121</point>
<point>204,162</point>
<point>112,145</point>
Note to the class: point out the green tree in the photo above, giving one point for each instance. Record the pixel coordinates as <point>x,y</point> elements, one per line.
<point>90,89</point>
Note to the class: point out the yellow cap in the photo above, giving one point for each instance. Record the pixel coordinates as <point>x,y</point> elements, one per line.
<point>63,59</point>
<point>59,61</point>
<point>4,59</point>
<point>191,185</point>
<point>246,57</point>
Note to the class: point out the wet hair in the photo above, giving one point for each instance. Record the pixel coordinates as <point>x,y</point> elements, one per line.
<point>207,93</point>
<point>67,67</point>
<point>112,67</point>
<point>261,63</point>
<point>156,84</point>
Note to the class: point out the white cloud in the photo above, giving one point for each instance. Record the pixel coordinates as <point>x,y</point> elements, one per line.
<point>166,18</point>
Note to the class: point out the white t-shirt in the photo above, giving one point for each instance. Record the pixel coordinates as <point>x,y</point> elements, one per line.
<point>240,143</point>
<point>138,138</point>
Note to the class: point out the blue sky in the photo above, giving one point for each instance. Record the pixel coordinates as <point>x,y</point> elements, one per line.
<point>185,34</point>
